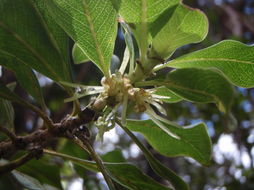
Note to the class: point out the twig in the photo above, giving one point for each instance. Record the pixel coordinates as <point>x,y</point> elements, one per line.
<point>87,146</point>
<point>43,115</point>
<point>89,164</point>
<point>43,138</point>
<point>19,162</point>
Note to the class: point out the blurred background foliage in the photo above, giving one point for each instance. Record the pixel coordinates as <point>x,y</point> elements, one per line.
<point>232,135</point>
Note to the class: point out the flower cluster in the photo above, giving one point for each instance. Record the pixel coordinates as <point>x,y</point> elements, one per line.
<point>118,90</point>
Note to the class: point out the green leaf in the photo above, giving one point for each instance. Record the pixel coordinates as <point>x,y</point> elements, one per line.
<point>23,36</point>
<point>27,181</point>
<point>25,77</point>
<point>166,173</point>
<point>6,182</point>
<point>129,53</point>
<point>113,156</point>
<point>234,59</point>
<point>199,85</point>
<point>91,24</point>
<point>175,28</point>
<point>131,177</point>
<point>6,114</point>
<point>194,141</point>
<point>156,165</point>
<point>28,81</point>
<point>126,175</point>
<point>70,148</point>
<point>167,95</point>
<point>140,13</point>
<point>7,94</point>
<point>6,110</point>
<point>59,38</point>
<point>43,171</point>
<point>131,10</point>
<point>78,55</point>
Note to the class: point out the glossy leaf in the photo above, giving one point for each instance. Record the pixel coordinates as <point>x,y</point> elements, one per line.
<point>167,95</point>
<point>199,85</point>
<point>189,143</point>
<point>28,181</point>
<point>24,36</point>
<point>180,26</point>
<point>78,55</point>
<point>234,59</point>
<point>25,77</point>
<point>91,24</point>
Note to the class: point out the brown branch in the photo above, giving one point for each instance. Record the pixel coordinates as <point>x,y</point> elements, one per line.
<point>43,138</point>
<point>35,153</point>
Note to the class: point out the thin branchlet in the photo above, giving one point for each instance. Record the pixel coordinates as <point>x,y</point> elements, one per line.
<point>43,138</point>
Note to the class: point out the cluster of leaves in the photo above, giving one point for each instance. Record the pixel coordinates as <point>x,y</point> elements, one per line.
<point>34,37</point>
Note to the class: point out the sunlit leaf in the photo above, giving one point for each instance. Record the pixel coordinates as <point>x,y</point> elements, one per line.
<point>91,24</point>
<point>199,85</point>
<point>58,37</point>
<point>129,53</point>
<point>175,28</point>
<point>167,95</point>
<point>131,10</point>
<point>140,13</point>
<point>234,59</point>
<point>78,55</point>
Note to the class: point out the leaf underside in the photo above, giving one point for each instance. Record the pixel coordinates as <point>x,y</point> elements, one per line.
<point>234,59</point>
<point>188,144</point>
